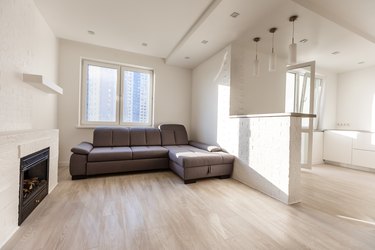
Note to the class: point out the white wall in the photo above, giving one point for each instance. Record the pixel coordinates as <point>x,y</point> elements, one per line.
<point>210,123</point>
<point>172,90</point>
<point>356,100</point>
<point>210,103</point>
<point>251,94</point>
<point>329,101</point>
<point>27,45</point>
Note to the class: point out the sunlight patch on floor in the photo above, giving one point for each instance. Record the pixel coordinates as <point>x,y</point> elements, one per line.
<point>357,220</point>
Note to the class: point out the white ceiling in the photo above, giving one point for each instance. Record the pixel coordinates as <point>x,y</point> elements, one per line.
<point>124,24</point>
<point>174,29</point>
<point>324,37</point>
<point>355,15</point>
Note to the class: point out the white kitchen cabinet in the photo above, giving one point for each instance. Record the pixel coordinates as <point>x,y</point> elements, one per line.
<point>363,158</point>
<point>338,146</point>
<point>353,148</point>
<point>364,141</point>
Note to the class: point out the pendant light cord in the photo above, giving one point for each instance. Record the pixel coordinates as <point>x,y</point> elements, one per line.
<point>293,33</point>
<point>256,40</point>
<point>293,19</point>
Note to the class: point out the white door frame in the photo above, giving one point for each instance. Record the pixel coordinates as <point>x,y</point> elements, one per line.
<point>310,129</point>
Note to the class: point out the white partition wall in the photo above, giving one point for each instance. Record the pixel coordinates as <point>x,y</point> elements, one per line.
<point>270,154</point>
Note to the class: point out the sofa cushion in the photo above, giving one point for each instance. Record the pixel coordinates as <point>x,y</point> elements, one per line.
<point>83,148</point>
<point>167,137</point>
<point>148,152</point>
<point>120,137</point>
<point>173,134</point>
<point>204,146</point>
<point>153,137</point>
<point>102,137</point>
<point>110,154</point>
<point>145,137</point>
<point>188,156</point>
<point>137,137</point>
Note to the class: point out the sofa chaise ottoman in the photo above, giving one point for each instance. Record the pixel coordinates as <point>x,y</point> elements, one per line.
<point>194,160</point>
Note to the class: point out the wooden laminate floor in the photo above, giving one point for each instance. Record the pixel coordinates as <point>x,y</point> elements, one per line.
<point>157,211</point>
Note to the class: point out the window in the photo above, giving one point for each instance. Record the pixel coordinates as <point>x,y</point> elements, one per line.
<point>298,97</point>
<point>136,96</point>
<point>116,95</point>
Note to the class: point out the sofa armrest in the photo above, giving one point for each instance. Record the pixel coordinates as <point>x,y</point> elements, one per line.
<point>84,148</point>
<point>209,148</point>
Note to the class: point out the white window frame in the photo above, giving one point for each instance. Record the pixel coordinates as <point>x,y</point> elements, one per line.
<point>298,103</point>
<point>119,94</point>
<point>151,99</point>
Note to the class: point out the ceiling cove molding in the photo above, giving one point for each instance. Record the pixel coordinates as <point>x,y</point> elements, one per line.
<point>206,13</point>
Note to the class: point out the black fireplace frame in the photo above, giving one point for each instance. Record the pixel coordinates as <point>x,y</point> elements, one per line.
<point>26,206</point>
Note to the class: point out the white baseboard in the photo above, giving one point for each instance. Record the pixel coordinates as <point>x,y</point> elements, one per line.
<point>350,166</point>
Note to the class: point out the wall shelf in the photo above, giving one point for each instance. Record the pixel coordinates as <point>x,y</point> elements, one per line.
<point>38,81</point>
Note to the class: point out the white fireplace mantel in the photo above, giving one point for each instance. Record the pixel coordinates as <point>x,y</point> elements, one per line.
<point>13,146</point>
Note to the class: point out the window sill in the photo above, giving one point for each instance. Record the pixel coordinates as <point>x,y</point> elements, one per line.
<point>86,126</point>
<point>80,126</point>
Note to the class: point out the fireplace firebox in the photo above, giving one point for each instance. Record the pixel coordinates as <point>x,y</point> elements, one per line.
<point>33,182</point>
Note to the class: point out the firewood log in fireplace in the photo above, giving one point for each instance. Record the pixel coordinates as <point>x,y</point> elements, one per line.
<point>29,185</point>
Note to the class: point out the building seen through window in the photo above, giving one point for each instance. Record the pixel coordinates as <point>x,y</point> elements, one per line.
<point>114,94</point>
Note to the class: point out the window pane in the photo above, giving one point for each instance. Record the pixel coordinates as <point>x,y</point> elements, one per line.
<point>136,94</point>
<point>306,100</point>
<point>318,90</point>
<point>317,100</point>
<point>101,94</point>
<point>289,96</point>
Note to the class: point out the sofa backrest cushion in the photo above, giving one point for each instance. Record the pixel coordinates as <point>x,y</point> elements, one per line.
<point>124,137</point>
<point>120,137</point>
<point>153,137</point>
<point>102,137</point>
<point>173,134</point>
<point>111,137</point>
<point>145,137</point>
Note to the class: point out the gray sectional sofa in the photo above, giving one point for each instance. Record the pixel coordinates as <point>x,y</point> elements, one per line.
<point>120,149</point>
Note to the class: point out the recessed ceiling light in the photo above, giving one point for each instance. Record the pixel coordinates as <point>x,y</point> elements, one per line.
<point>204,41</point>
<point>304,40</point>
<point>361,62</point>
<point>335,52</point>
<point>91,32</point>
<point>235,14</point>
<point>187,57</point>
<point>144,44</point>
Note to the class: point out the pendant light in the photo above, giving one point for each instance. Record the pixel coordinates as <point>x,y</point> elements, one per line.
<point>256,61</point>
<point>272,60</point>
<point>293,46</point>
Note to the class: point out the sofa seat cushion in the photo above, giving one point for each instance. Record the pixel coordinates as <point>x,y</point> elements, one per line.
<point>110,154</point>
<point>187,156</point>
<point>148,152</point>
